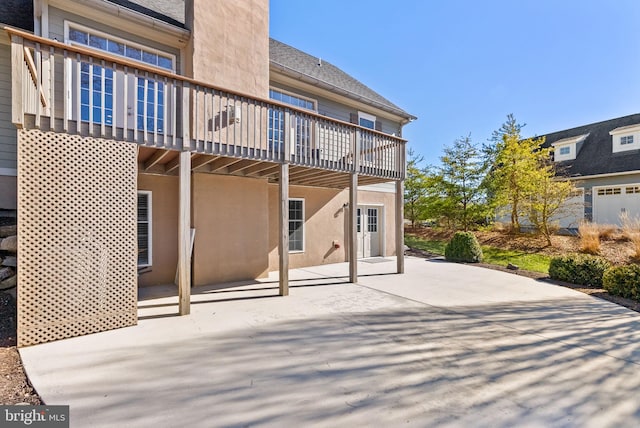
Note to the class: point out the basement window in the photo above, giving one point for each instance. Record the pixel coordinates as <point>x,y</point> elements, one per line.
<point>144,228</point>
<point>296,225</point>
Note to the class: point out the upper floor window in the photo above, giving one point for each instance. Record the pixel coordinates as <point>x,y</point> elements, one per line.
<point>564,151</point>
<point>294,100</point>
<point>567,148</point>
<point>366,120</point>
<point>625,138</point>
<point>98,86</point>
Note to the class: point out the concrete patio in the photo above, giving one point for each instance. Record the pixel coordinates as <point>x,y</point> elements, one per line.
<point>442,345</point>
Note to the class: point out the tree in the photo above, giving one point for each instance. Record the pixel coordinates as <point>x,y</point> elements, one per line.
<point>460,177</point>
<point>415,189</point>
<point>549,199</point>
<point>515,173</point>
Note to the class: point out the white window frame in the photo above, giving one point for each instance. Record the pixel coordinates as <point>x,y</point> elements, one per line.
<point>293,94</point>
<point>148,193</point>
<point>304,214</point>
<point>618,134</point>
<point>132,96</point>
<point>367,116</point>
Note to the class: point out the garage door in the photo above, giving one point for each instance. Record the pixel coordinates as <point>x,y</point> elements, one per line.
<point>610,202</point>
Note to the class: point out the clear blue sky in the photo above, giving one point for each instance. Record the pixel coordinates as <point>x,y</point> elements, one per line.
<point>462,66</point>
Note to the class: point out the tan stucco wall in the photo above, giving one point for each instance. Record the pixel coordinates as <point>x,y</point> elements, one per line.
<point>230,215</point>
<point>325,221</point>
<point>230,44</point>
<point>164,228</point>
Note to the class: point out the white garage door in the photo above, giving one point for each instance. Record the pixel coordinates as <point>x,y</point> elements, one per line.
<point>612,201</point>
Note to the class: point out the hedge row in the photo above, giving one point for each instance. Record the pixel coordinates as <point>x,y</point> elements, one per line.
<point>584,269</point>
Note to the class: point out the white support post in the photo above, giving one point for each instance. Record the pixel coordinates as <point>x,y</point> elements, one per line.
<point>283,242</point>
<point>184,235</point>
<point>400,225</point>
<point>17,80</point>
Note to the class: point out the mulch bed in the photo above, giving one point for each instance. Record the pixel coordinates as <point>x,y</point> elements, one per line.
<point>14,385</point>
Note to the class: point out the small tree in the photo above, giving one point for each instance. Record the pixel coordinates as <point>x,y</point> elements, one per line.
<point>549,199</point>
<point>415,189</point>
<point>515,170</point>
<point>459,178</point>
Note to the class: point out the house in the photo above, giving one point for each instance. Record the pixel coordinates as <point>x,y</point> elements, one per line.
<point>603,159</point>
<point>151,141</point>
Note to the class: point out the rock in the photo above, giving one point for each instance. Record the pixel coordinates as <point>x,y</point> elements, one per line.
<point>6,272</point>
<point>9,282</point>
<point>10,244</point>
<point>10,261</point>
<point>8,230</point>
<point>511,266</point>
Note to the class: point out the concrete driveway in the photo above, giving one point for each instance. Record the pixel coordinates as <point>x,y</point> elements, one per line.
<point>442,345</point>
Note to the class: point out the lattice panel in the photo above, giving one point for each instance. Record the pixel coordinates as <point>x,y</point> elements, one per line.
<point>76,236</point>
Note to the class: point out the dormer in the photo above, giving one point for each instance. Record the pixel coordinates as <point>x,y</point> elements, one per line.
<point>567,148</point>
<point>626,138</point>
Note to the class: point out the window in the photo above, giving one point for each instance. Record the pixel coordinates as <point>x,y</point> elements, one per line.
<point>564,151</point>
<point>632,190</point>
<point>626,139</point>
<point>97,83</point>
<point>144,228</point>
<point>372,220</point>
<point>609,191</point>
<point>359,221</point>
<point>366,120</point>
<point>296,225</point>
<point>302,124</point>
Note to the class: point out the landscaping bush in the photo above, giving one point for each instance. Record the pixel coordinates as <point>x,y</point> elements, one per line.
<point>579,269</point>
<point>463,247</point>
<point>623,281</point>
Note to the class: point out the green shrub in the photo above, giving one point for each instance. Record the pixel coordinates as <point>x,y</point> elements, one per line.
<point>581,269</point>
<point>463,247</point>
<point>623,281</point>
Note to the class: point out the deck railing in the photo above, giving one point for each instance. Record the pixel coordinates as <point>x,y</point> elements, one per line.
<point>76,90</point>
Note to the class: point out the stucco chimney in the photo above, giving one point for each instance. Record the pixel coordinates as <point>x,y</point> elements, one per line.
<point>229,44</point>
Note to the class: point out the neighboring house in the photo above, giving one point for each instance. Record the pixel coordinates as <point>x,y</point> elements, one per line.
<point>604,160</point>
<point>175,138</point>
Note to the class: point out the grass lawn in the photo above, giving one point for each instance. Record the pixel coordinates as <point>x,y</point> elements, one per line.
<point>492,255</point>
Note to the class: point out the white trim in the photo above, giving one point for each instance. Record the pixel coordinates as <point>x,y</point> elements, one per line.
<point>150,224</point>
<point>304,220</point>
<point>367,116</point>
<point>611,174</point>
<point>12,172</point>
<point>625,130</point>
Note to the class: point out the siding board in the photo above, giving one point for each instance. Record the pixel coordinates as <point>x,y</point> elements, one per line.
<point>8,132</point>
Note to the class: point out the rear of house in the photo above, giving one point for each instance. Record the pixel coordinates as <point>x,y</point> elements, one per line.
<point>176,140</point>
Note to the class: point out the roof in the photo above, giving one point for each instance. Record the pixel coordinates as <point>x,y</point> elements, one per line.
<point>169,11</point>
<point>17,13</point>
<point>296,63</point>
<point>596,154</point>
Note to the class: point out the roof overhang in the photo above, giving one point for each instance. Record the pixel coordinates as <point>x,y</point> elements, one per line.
<point>625,129</point>
<point>134,22</point>
<point>570,140</point>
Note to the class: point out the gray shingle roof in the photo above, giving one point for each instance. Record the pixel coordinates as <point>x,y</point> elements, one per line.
<point>596,156</point>
<point>168,11</point>
<point>290,60</point>
<point>17,13</point>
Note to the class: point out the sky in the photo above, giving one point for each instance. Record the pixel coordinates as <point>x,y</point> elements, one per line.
<point>461,66</point>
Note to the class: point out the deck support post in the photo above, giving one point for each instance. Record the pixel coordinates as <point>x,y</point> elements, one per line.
<point>17,80</point>
<point>184,235</point>
<point>283,228</point>
<point>353,228</point>
<point>400,225</point>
